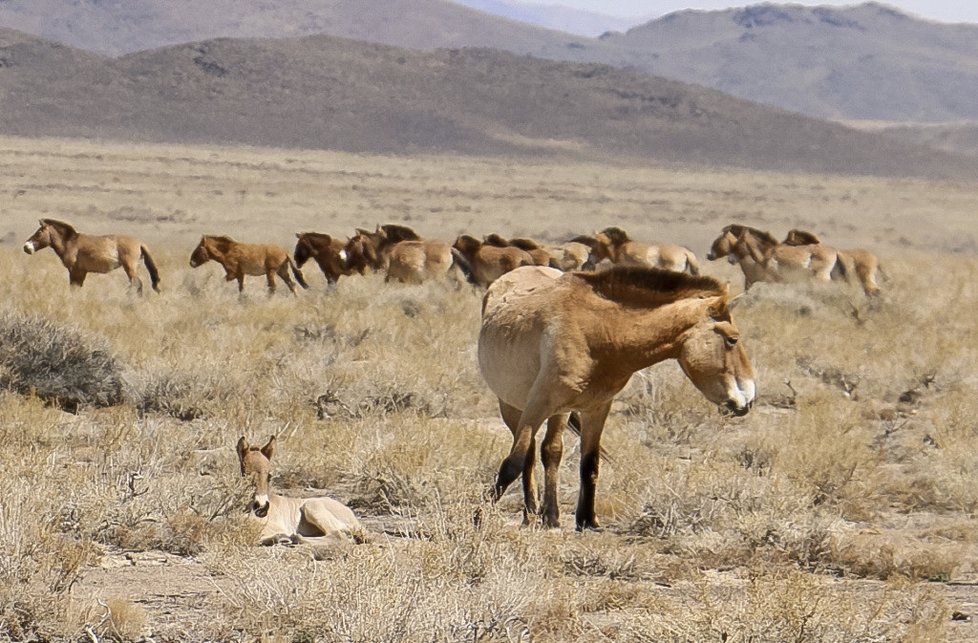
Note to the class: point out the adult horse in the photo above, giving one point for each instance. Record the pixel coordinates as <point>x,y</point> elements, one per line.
<point>486,262</point>
<point>616,246</point>
<point>417,261</point>
<point>240,259</point>
<point>328,252</point>
<point>784,262</point>
<point>85,253</point>
<point>288,520</point>
<point>553,342</point>
<point>541,256</point>
<point>862,264</point>
<point>371,250</point>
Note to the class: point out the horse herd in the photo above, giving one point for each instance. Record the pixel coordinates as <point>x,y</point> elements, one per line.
<point>561,333</point>
<point>402,255</point>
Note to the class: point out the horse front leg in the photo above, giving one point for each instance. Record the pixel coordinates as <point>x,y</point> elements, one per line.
<point>592,424</point>
<point>76,277</point>
<point>270,279</point>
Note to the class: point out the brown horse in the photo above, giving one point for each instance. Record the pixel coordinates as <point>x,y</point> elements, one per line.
<point>553,342</point>
<point>240,259</point>
<point>487,263</point>
<point>862,264</point>
<point>783,262</point>
<point>541,255</point>
<point>371,250</point>
<point>85,253</point>
<point>291,520</point>
<point>329,252</point>
<point>616,246</point>
<point>417,261</point>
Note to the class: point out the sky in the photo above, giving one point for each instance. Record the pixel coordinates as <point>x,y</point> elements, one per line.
<point>941,10</point>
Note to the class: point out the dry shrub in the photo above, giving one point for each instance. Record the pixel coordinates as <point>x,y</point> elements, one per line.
<point>124,620</point>
<point>60,365</point>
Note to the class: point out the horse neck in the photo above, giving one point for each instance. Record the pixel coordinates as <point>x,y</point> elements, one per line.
<point>757,250</point>
<point>59,240</point>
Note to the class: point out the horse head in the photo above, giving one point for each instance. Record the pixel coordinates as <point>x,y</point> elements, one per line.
<point>255,462</point>
<point>40,239</point>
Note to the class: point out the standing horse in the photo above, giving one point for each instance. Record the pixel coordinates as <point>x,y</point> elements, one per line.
<point>85,253</point>
<point>240,259</point>
<point>862,264</point>
<point>782,262</point>
<point>329,253</point>
<point>291,520</point>
<point>553,342</point>
<point>417,261</point>
<point>371,250</point>
<point>616,246</point>
<point>541,256</point>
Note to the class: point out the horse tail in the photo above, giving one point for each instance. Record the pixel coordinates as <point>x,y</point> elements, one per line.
<point>154,273</point>
<point>882,273</point>
<point>692,264</point>
<point>297,274</point>
<point>458,259</point>
<point>574,424</point>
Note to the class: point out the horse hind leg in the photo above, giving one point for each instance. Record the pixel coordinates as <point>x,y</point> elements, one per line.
<point>134,280</point>
<point>511,416</point>
<point>283,272</point>
<point>551,452</point>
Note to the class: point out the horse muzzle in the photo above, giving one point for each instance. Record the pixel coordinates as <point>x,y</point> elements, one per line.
<point>738,409</point>
<point>710,256</point>
<point>260,510</point>
<point>29,248</point>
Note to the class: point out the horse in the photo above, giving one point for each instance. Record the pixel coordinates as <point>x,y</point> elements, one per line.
<point>541,256</point>
<point>862,263</point>
<point>240,259</point>
<point>288,520</point>
<point>84,253</point>
<point>616,246</point>
<point>570,256</point>
<point>487,263</point>
<point>552,343</point>
<point>416,261</point>
<point>782,262</point>
<point>329,252</point>
<point>371,250</point>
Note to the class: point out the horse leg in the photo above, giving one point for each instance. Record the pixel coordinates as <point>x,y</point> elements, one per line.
<point>511,416</point>
<point>514,464</point>
<point>240,278</point>
<point>283,272</point>
<point>592,424</point>
<point>134,280</point>
<point>551,452</point>
<point>76,277</point>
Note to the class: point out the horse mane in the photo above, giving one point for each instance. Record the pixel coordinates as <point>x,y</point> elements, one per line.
<point>497,240</point>
<point>66,230</point>
<point>737,229</point>
<point>396,233</point>
<point>222,241</point>
<point>314,236</point>
<point>616,235</point>
<point>587,240</point>
<point>650,286</point>
<point>524,244</point>
<point>467,243</point>
<point>798,237</point>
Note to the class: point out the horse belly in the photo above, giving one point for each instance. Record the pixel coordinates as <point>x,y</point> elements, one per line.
<point>509,364</point>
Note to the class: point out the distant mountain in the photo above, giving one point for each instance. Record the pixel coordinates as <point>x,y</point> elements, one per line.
<point>865,62</point>
<point>323,92</point>
<point>553,16</point>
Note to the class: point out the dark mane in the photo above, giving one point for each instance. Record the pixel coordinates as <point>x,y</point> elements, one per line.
<point>65,229</point>
<point>650,286</point>
<point>396,233</point>
<point>587,240</point>
<point>737,229</point>
<point>321,237</point>
<point>524,244</point>
<point>798,237</point>
<point>496,240</point>
<point>616,235</point>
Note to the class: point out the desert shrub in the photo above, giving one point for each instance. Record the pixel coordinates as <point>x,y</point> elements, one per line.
<point>60,365</point>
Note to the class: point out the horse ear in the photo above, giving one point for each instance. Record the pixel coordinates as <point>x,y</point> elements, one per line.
<point>298,235</point>
<point>269,448</point>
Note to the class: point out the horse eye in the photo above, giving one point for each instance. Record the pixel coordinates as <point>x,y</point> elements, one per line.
<point>730,341</point>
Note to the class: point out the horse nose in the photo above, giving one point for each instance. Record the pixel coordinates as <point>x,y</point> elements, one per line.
<point>29,248</point>
<point>737,409</point>
<point>710,256</point>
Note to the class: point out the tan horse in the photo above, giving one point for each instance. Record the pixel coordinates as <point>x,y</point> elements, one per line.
<point>85,253</point>
<point>240,259</point>
<point>553,342</point>
<point>487,263</point>
<point>371,250</point>
<point>541,255</point>
<point>616,246</point>
<point>288,520</point>
<point>724,244</point>
<point>862,264</point>
<point>570,256</point>
<point>417,261</point>
<point>328,252</point>
<point>782,262</point>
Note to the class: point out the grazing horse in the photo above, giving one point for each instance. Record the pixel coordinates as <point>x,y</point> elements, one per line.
<point>329,252</point>
<point>553,342</point>
<point>85,253</point>
<point>487,263</point>
<point>862,263</point>
<point>616,246</point>
<point>240,259</point>
<point>291,520</point>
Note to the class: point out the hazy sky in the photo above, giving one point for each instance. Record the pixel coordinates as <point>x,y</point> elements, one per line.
<point>943,10</point>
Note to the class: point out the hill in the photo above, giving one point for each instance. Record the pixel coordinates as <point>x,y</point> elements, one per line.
<point>866,62</point>
<point>322,92</point>
<point>553,16</point>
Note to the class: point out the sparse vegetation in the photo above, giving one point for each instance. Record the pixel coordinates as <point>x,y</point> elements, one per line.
<point>831,512</point>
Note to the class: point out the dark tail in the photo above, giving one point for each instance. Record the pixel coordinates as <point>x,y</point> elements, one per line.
<point>297,274</point>
<point>154,273</point>
<point>464,265</point>
<point>574,424</point>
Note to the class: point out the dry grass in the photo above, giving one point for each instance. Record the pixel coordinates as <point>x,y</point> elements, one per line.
<point>834,511</point>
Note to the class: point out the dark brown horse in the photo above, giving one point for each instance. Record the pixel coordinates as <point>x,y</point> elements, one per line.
<point>240,259</point>
<point>329,252</point>
<point>85,253</point>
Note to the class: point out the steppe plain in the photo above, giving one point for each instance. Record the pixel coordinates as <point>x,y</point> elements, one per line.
<point>843,508</point>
